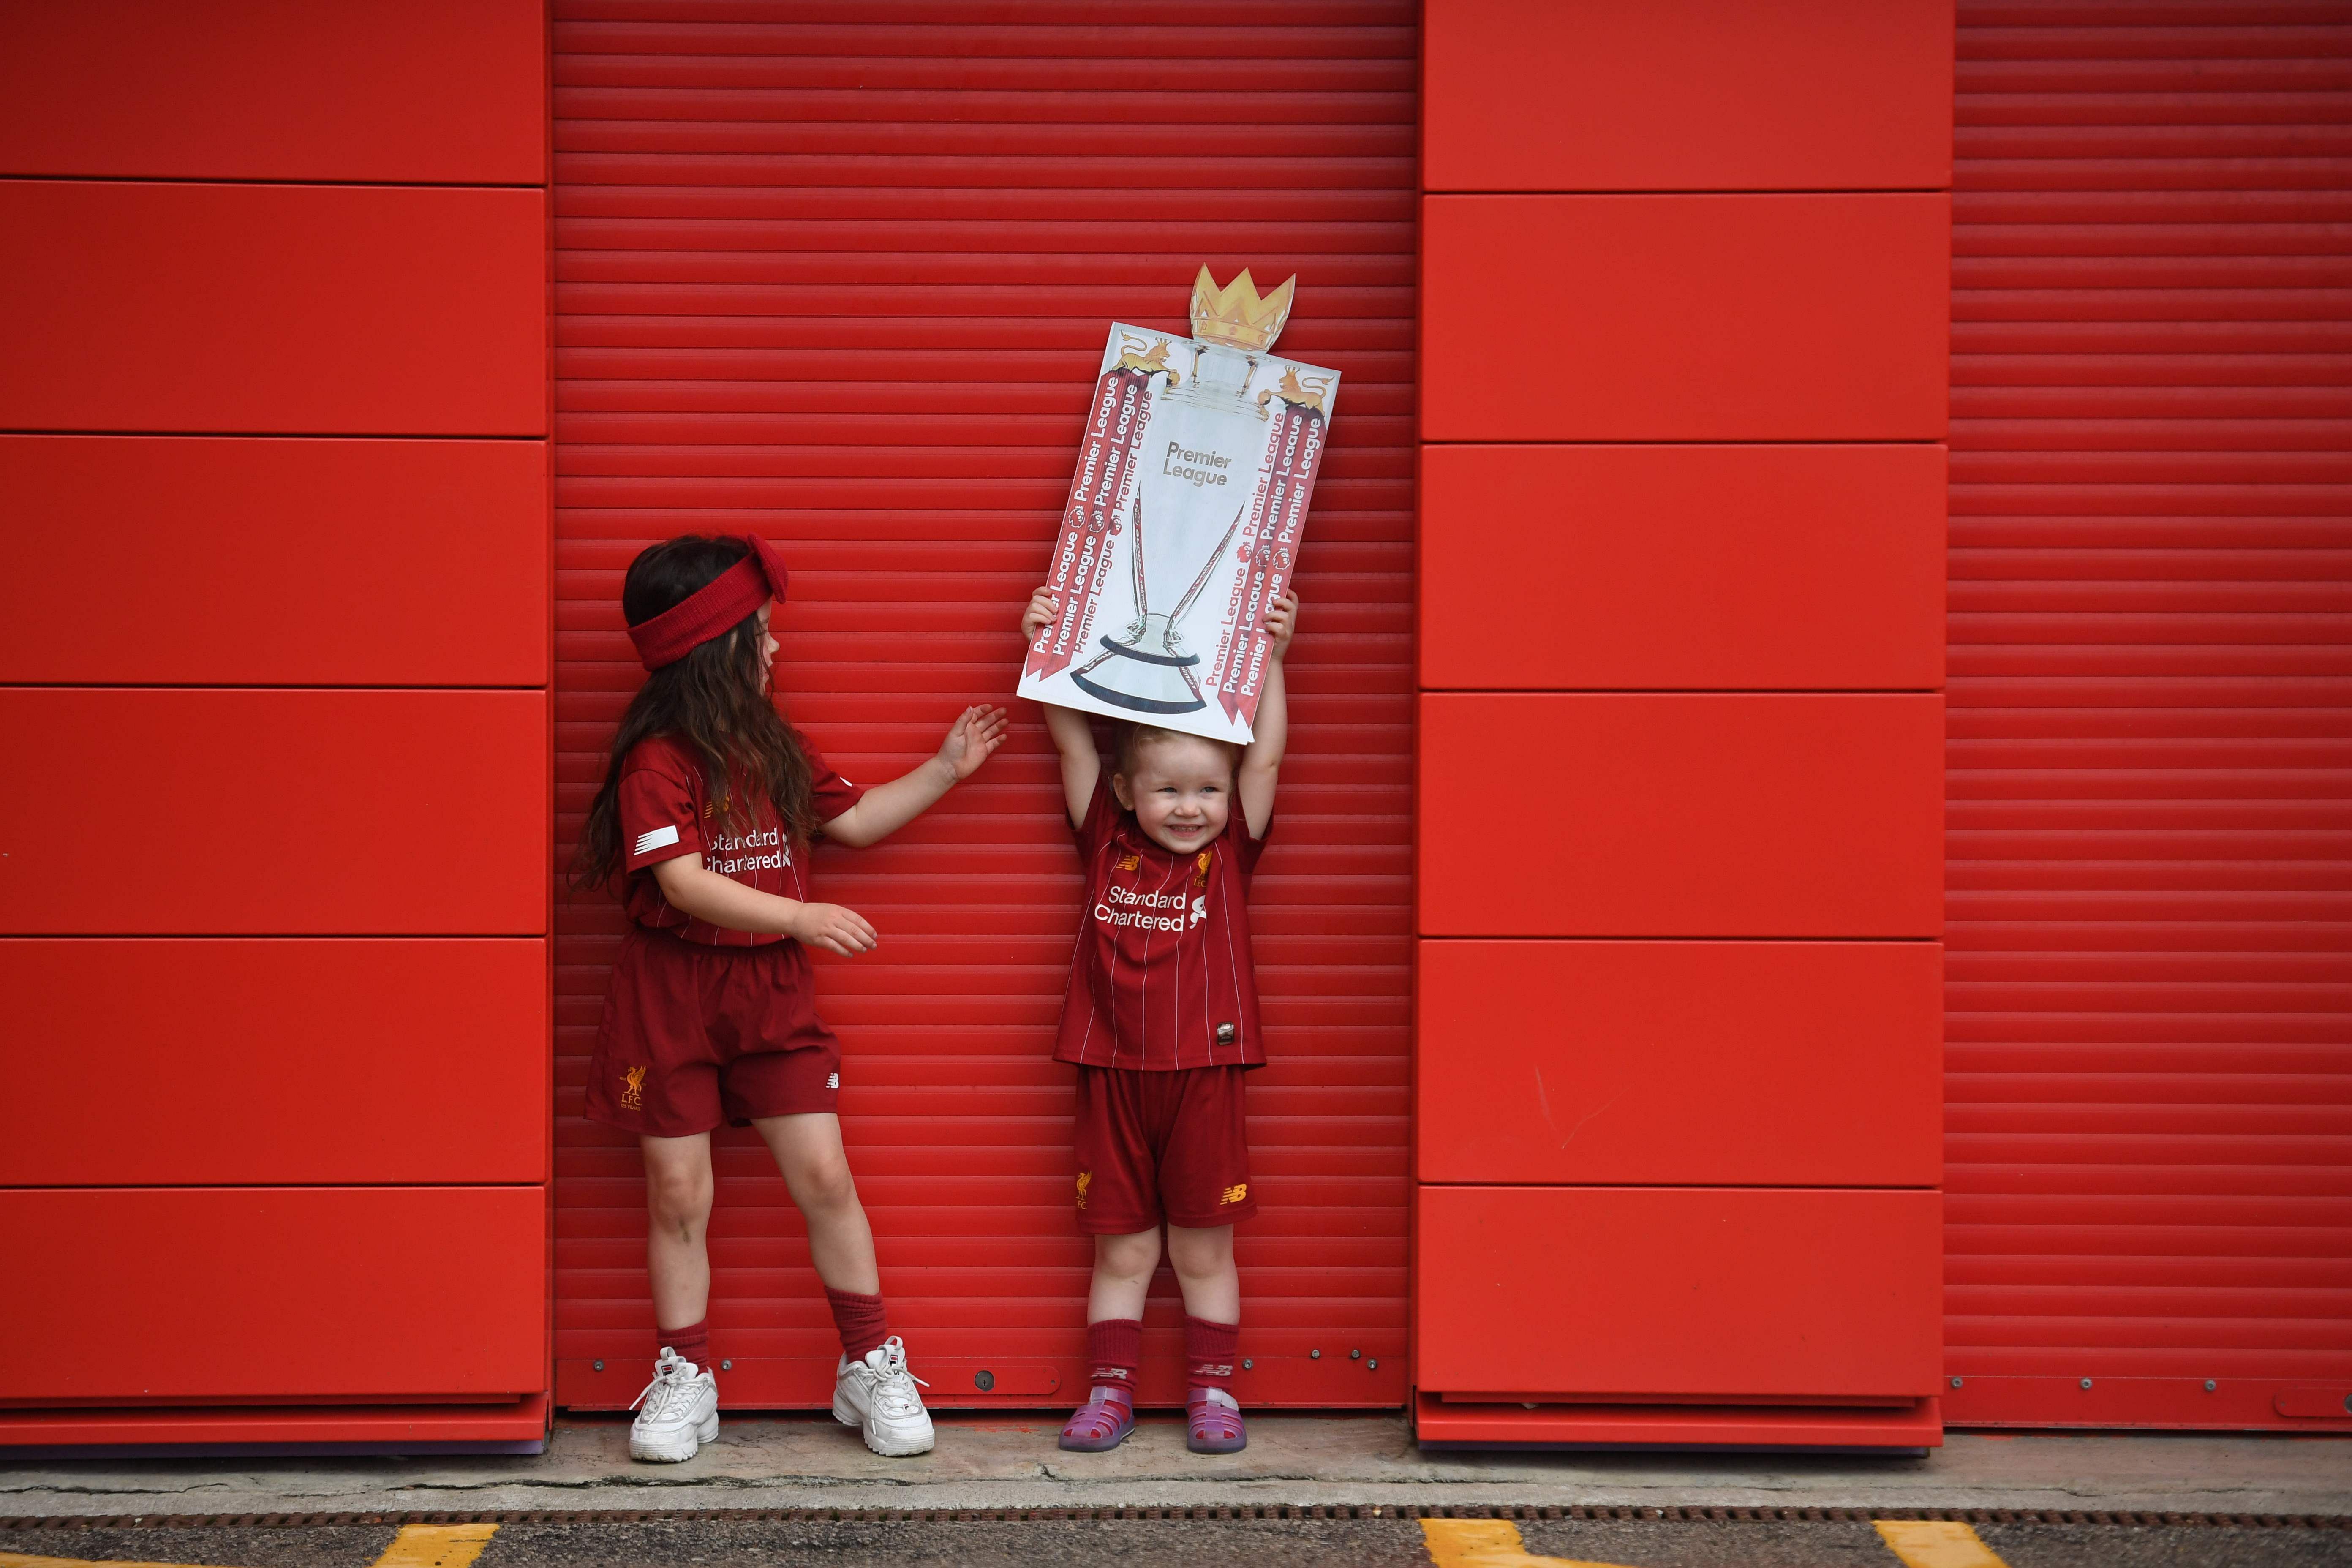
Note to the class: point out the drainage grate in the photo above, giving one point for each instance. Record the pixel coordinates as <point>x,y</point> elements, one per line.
<point>1199,1511</point>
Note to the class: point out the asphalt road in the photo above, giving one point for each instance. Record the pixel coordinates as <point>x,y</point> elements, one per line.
<point>1168,1543</point>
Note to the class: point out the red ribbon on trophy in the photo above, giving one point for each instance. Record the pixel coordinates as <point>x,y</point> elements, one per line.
<point>1268,550</point>
<point>1098,493</point>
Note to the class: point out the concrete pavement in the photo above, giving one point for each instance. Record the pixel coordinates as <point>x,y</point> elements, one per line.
<point>993,1462</point>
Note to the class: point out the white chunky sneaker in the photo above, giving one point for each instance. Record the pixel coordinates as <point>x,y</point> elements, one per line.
<point>877,1396</point>
<point>678,1412</point>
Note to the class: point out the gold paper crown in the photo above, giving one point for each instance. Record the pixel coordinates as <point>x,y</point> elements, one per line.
<point>1234,315</point>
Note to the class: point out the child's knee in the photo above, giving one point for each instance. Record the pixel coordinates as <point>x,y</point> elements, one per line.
<point>1199,1254</point>
<point>1127,1257</point>
<point>679,1197</point>
<point>824,1181</point>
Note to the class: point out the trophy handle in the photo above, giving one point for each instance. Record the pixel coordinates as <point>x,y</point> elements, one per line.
<point>1207,568</point>
<point>1142,607</point>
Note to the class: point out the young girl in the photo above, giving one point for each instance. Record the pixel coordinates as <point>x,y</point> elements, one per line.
<point>1161,1022</point>
<point>706,813</point>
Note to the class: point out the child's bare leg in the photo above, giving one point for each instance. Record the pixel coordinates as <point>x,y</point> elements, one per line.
<point>678,1206</point>
<point>1204,1261</point>
<point>1123,1269</point>
<point>816,1170</point>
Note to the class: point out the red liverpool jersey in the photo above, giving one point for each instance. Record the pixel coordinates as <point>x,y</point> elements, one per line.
<point>1162,978</point>
<point>666,813</point>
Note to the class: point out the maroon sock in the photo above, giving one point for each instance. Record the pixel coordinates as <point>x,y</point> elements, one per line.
<point>1113,1347</point>
<point>687,1345</point>
<point>1208,1353</point>
<point>863,1320</point>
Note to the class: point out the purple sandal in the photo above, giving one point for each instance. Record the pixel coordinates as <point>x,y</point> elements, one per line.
<point>1102,1423</point>
<point>1213,1423</point>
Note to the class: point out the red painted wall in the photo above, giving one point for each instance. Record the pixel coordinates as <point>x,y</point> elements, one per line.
<point>1686,273</point>
<point>274,657</point>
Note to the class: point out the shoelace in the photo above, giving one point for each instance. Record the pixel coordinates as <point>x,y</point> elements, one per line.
<point>894,1391</point>
<point>673,1391</point>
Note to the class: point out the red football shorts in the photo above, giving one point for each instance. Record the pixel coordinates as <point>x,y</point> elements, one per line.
<point>694,1036</point>
<point>1162,1146</point>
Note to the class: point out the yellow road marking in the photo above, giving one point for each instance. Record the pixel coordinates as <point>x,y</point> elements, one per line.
<point>417,1546</point>
<point>1936,1543</point>
<point>437,1545</point>
<point>1487,1543</point>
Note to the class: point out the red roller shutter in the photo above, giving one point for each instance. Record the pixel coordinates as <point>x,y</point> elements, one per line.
<point>841,273</point>
<point>2150,1005</point>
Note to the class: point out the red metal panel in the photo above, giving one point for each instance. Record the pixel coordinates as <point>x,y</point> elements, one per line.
<point>275,1293</point>
<point>421,90</point>
<point>275,812</point>
<point>522,1423</point>
<point>2150,1002</point>
<point>1665,95</point>
<point>1713,567</point>
<point>1718,1292</point>
<point>302,309</point>
<point>1685,318</point>
<point>1680,814</point>
<point>1437,1422</point>
<point>843,273</point>
<point>1675,1062</point>
<point>302,561</point>
<point>127,1062</point>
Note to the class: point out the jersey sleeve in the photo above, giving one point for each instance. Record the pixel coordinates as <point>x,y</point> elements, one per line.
<point>1102,812</point>
<point>831,794</point>
<point>1247,845</point>
<point>660,808</point>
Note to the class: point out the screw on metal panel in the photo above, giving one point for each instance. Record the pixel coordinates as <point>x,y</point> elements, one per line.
<point>1355,1355</point>
<point>2086,1383</point>
<point>1374,1365</point>
<point>984,1380</point>
<point>728,1365</point>
<point>1247,1364</point>
<point>1314,1355</point>
<point>2209,1386</point>
<point>600,1366</point>
<point>1956,1382</point>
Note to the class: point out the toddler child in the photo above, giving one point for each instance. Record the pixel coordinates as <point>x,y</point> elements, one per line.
<point>706,814</point>
<point>1161,1022</point>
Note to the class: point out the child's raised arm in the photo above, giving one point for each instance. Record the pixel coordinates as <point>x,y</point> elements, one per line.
<point>1073,737</point>
<point>1254,780</point>
<point>971,739</point>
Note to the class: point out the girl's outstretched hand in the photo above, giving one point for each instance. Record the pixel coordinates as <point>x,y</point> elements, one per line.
<point>1043,608</point>
<point>835,928</point>
<point>1280,622</point>
<point>971,739</point>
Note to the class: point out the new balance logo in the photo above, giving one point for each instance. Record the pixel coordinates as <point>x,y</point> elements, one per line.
<point>1235,1194</point>
<point>834,1082</point>
<point>655,838</point>
<point>1131,863</point>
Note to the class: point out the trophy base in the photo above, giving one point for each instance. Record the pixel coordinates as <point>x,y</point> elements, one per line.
<point>1141,682</point>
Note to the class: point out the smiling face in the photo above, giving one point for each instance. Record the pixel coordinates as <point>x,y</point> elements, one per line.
<point>1180,788</point>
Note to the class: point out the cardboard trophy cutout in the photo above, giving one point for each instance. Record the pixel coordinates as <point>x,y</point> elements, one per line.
<point>1184,518</point>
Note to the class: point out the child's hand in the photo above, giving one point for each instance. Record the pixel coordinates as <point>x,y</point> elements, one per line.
<point>972,739</point>
<point>1280,622</point>
<point>834,929</point>
<point>1043,608</point>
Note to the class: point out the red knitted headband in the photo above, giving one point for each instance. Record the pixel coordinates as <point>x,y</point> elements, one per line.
<point>714,609</point>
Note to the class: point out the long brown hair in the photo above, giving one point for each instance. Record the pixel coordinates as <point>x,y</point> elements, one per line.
<point>715,702</point>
